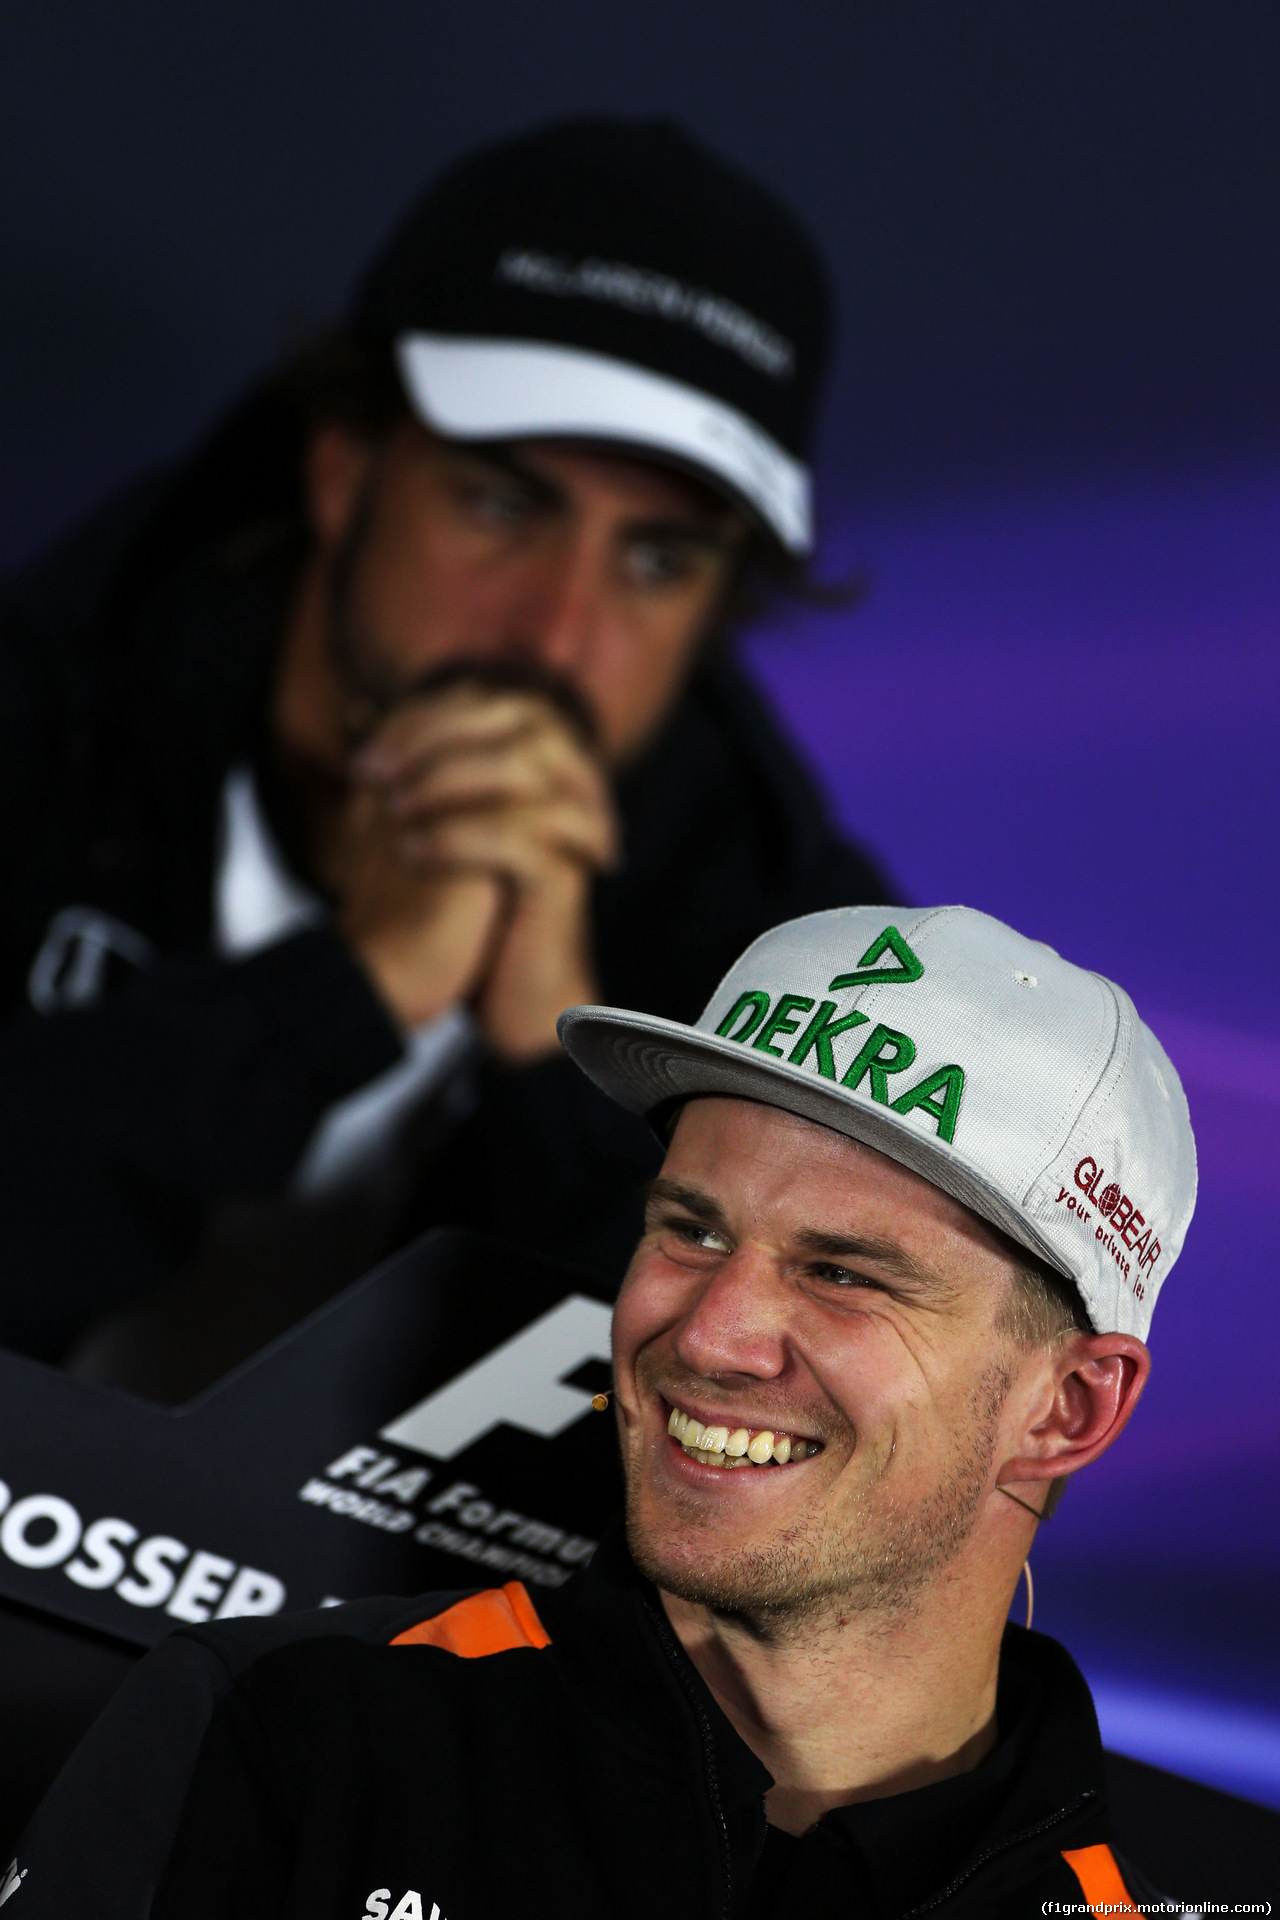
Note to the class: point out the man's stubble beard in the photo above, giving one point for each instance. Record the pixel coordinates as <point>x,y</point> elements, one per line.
<point>879,1561</point>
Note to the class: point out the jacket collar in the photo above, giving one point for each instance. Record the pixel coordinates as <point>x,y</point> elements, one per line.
<point>610,1628</point>
<point>1040,1789</point>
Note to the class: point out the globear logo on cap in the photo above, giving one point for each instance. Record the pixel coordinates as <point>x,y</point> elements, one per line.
<point>884,1051</point>
<point>1132,1232</point>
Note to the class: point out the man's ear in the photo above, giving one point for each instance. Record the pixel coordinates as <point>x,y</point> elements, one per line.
<point>1097,1381</point>
<point>335,466</point>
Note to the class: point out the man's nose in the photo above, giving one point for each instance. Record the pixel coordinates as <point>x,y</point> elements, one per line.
<point>739,1321</point>
<point>562,612</point>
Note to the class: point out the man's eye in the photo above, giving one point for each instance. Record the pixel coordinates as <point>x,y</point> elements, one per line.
<point>656,563</point>
<point>841,1276</point>
<point>695,1235</point>
<point>499,506</point>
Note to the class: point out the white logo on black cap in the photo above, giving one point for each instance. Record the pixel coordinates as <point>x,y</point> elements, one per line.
<point>641,290</point>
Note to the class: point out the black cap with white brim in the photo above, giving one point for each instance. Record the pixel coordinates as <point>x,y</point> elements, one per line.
<point>612,281</point>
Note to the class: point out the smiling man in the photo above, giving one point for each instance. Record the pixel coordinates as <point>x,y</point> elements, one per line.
<point>339,759</point>
<point>924,1182</point>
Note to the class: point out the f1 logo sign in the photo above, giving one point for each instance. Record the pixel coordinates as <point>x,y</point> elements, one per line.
<point>520,1383</point>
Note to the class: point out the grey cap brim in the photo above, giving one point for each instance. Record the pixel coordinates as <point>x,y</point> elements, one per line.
<point>643,1062</point>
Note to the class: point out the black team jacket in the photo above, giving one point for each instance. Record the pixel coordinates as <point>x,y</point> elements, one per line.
<point>470,1758</point>
<point>137,663</point>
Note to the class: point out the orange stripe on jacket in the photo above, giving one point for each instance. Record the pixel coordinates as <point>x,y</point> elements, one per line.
<point>492,1622</point>
<point>1099,1876</point>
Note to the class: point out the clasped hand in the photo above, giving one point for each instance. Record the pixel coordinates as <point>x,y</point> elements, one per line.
<point>463,862</point>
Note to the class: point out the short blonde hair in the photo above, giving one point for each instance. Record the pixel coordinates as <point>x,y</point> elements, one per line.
<point>1042,1306</point>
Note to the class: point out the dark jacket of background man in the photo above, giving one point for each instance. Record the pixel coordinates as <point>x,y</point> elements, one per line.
<point>155,1097</point>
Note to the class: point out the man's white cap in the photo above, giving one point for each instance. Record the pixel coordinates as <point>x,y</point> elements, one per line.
<point>1025,1087</point>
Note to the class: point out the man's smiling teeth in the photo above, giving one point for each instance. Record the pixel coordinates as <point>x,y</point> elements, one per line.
<point>736,1446</point>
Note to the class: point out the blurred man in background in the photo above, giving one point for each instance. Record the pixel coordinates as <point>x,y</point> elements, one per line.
<point>342,758</point>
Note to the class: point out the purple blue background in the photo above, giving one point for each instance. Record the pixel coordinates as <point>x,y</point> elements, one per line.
<point>1052,442</point>
<point>1064,708</point>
